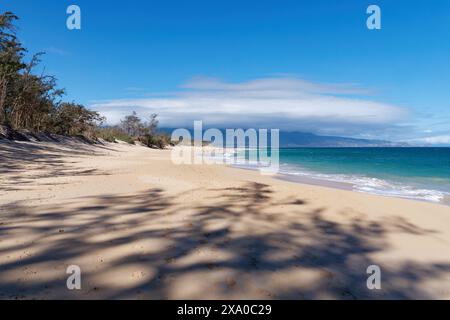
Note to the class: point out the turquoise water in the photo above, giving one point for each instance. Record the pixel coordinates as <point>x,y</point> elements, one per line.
<point>417,173</point>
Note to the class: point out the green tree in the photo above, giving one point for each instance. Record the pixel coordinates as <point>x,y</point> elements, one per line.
<point>33,101</point>
<point>74,119</point>
<point>132,125</point>
<point>11,55</point>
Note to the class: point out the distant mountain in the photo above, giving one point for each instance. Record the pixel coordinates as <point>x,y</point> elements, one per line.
<point>311,140</point>
<point>303,139</point>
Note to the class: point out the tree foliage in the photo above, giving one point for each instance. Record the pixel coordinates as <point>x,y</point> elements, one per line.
<point>132,128</point>
<point>73,119</point>
<point>135,127</point>
<point>32,101</point>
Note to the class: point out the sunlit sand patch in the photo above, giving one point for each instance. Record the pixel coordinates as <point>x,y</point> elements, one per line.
<point>124,277</point>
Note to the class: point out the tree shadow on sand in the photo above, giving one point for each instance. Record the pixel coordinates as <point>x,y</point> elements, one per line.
<point>22,163</point>
<point>247,245</point>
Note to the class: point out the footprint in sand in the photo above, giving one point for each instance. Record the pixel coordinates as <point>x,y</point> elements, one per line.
<point>231,283</point>
<point>266,293</point>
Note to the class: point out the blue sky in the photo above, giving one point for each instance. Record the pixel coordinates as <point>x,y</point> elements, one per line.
<point>296,65</point>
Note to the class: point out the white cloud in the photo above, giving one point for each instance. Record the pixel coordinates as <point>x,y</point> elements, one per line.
<point>286,103</point>
<point>268,86</point>
<point>437,140</point>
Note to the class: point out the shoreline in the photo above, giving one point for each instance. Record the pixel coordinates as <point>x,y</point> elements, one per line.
<point>350,187</point>
<point>336,185</point>
<point>141,227</point>
<point>388,189</point>
<point>335,181</point>
<point>303,180</point>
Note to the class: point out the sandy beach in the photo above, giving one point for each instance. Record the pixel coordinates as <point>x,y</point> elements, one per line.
<point>141,227</point>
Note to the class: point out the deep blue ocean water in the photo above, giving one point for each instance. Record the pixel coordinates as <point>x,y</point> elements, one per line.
<point>416,173</point>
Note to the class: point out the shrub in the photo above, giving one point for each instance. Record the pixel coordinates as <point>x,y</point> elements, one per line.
<point>132,129</point>
<point>155,141</point>
<point>111,134</point>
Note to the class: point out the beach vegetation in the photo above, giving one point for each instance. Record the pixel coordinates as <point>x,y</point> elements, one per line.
<point>114,133</point>
<point>133,129</point>
<point>146,132</point>
<point>30,100</point>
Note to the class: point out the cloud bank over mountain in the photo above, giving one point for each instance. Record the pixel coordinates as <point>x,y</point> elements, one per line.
<point>286,103</point>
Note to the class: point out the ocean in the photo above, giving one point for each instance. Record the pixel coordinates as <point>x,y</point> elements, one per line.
<point>413,173</point>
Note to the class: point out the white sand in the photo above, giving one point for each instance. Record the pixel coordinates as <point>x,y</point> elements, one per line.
<point>141,227</point>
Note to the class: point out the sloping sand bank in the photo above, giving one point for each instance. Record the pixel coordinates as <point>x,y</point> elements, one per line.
<point>141,227</point>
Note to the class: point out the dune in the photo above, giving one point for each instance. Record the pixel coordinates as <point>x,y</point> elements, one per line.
<point>141,227</point>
